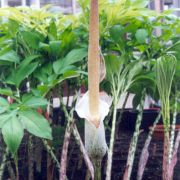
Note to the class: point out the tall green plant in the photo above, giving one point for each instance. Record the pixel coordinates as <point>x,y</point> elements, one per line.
<point>121,76</point>
<point>165,71</point>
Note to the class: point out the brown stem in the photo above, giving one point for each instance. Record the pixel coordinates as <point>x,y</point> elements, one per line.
<point>145,153</point>
<point>165,174</point>
<point>83,150</point>
<point>62,175</point>
<point>11,171</point>
<point>50,166</point>
<point>174,156</point>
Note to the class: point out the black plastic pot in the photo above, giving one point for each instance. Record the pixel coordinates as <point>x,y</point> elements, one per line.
<point>130,116</point>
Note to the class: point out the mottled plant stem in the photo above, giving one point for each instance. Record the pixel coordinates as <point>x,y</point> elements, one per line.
<point>97,168</point>
<point>165,174</point>
<point>3,163</point>
<point>16,166</point>
<point>145,153</point>
<point>73,128</point>
<point>30,158</point>
<point>173,127</point>
<point>121,114</point>
<point>110,150</point>
<point>83,150</point>
<point>50,151</point>
<point>170,151</point>
<point>11,171</point>
<point>132,148</point>
<point>114,134</point>
<point>174,156</point>
<point>63,165</point>
<point>122,109</point>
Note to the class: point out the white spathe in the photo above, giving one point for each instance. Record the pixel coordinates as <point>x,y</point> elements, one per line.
<point>95,141</point>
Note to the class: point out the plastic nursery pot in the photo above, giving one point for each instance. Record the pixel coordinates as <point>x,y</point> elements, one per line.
<point>159,131</point>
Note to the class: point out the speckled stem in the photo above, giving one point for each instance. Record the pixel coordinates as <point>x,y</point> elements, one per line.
<point>94,62</point>
<point>132,148</point>
<point>30,158</point>
<point>65,151</point>
<point>83,150</point>
<point>145,153</point>
<point>51,153</point>
<point>110,151</point>
<point>3,164</point>
<point>173,130</point>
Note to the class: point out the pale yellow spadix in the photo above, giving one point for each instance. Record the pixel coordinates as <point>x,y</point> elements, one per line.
<point>91,107</point>
<point>94,64</point>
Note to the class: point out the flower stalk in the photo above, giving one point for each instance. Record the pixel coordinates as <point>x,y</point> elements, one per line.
<point>94,63</point>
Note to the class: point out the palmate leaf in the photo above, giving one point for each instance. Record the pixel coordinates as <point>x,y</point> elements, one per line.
<point>74,56</point>
<point>33,102</point>
<point>13,124</point>
<point>23,70</point>
<point>36,124</point>
<point>32,39</point>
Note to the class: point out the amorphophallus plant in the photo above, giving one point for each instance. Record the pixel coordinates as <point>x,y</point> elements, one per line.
<point>165,71</point>
<point>90,106</point>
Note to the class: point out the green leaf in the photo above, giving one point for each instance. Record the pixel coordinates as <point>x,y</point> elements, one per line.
<point>12,132</point>
<point>23,70</point>
<point>34,102</point>
<point>28,60</point>
<point>60,67</point>
<point>43,89</point>
<point>52,31</point>
<point>112,64</point>
<point>21,73</point>
<point>55,48</point>
<point>116,32</point>
<point>75,56</point>
<point>44,47</point>
<point>141,35</point>
<point>7,92</point>
<point>137,100</point>
<point>69,74</point>
<point>4,105</point>
<point>36,124</point>
<point>10,56</point>
<point>3,119</point>
<point>32,39</point>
